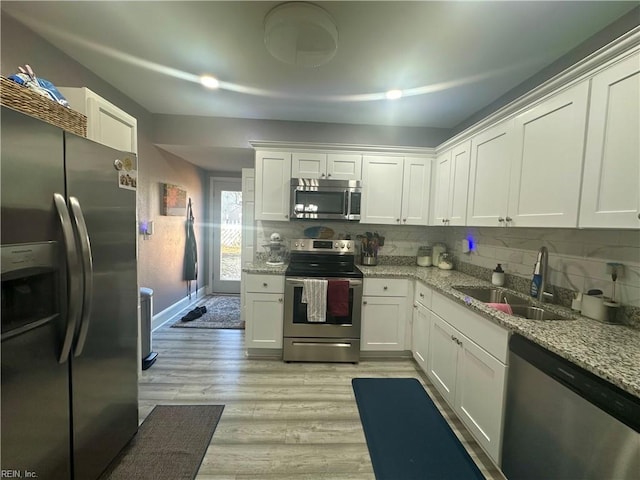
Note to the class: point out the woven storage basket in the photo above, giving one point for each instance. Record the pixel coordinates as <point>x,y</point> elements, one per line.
<point>27,101</point>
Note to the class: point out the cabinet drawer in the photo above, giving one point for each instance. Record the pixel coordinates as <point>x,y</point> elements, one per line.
<point>423,294</point>
<point>265,283</point>
<point>488,335</point>
<point>385,287</point>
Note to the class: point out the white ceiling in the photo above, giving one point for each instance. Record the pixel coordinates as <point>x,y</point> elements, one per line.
<point>463,54</point>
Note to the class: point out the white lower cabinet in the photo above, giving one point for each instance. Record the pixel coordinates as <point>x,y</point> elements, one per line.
<point>264,309</point>
<point>420,334</point>
<point>421,324</point>
<point>384,314</point>
<point>471,379</point>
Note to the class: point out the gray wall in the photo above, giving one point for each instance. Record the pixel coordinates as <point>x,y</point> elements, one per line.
<point>237,132</point>
<point>618,28</point>
<point>160,257</point>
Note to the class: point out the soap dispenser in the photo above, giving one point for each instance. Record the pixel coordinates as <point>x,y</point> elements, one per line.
<point>497,277</point>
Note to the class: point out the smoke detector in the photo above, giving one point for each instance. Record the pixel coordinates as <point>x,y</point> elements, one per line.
<point>299,33</point>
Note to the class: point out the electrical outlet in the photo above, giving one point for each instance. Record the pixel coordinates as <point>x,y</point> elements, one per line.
<point>616,268</point>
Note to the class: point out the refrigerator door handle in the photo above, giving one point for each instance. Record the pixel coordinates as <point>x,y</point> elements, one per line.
<point>74,278</point>
<point>87,268</point>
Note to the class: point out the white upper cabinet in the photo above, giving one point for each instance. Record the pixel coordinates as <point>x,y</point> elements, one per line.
<point>272,187</point>
<point>525,172</point>
<point>344,166</point>
<point>545,174</point>
<point>381,189</point>
<point>491,155</point>
<point>452,186</point>
<point>106,123</point>
<point>610,187</point>
<point>333,166</point>
<point>416,191</point>
<point>395,190</point>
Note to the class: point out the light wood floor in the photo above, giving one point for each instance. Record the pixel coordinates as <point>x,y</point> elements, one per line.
<point>281,420</point>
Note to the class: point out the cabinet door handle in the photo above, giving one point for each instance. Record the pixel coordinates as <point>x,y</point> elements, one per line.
<point>385,288</point>
<point>453,338</point>
<point>500,219</point>
<point>265,284</point>
<point>328,174</point>
<point>286,216</point>
<point>322,174</point>
<point>280,299</point>
<point>364,302</point>
<point>422,295</point>
<point>509,219</point>
<point>397,220</point>
<point>404,220</point>
<point>444,220</point>
<point>639,216</point>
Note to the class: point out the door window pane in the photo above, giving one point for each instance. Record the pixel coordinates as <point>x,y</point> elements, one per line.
<point>230,235</point>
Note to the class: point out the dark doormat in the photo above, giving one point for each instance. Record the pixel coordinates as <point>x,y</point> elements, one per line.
<point>170,444</point>
<point>222,311</point>
<point>407,436</point>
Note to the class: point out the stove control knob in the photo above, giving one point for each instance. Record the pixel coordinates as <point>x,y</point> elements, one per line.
<point>348,245</point>
<point>295,244</point>
<point>342,245</point>
<point>336,245</point>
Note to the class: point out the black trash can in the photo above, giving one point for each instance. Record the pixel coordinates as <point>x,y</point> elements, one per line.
<point>146,309</point>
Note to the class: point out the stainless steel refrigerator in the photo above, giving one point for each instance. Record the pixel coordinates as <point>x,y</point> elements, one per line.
<point>69,302</point>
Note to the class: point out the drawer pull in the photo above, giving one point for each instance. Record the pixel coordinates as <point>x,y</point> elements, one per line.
<point>265,284</point>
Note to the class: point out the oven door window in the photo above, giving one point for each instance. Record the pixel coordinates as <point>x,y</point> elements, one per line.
<point>300,311</point>
<point>321,202</point>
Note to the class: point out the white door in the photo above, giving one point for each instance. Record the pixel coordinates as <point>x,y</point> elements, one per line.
<point>442,358</point>
<point>491,156</point>
<point>441,197</point>
<point>479,396</point>
<point>381,189</point>
<point>263,315</point>
<point>416,191</point>
<point>308,165</point>
<point>420,334</point>
<point>344,166</point>
<point>610,193</point>
<point>459,184</point>
<point>545,173</point>
<point>273,180</point>
<point>227,235</point>
<point>383,323</point>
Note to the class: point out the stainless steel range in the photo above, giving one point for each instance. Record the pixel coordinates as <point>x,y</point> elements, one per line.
<point>328,266</point>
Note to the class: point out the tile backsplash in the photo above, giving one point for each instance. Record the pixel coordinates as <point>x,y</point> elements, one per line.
<point>577,258</point>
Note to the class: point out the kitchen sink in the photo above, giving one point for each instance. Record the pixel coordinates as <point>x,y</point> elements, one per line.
<point>491,295</point>
<point>520,307</point>
<point>535,313</point>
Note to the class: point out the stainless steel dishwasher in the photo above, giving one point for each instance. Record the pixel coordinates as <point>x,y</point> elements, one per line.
<point>562,422</point>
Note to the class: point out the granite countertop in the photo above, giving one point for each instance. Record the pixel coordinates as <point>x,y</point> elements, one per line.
<point>609,351</point>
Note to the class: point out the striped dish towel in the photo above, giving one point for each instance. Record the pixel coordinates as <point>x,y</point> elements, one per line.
<point>314,294</point>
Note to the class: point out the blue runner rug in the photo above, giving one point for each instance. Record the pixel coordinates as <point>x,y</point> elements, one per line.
<point>407,436</point>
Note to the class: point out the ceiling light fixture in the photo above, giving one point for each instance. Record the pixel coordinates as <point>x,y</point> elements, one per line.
<point>209,81</point>
<point>300,33</point>
<point>394,94</point>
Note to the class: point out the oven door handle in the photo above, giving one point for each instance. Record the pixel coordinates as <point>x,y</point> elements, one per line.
<point>298,282</point>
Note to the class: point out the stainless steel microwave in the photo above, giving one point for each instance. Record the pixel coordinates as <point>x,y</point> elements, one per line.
<point>325,199</point>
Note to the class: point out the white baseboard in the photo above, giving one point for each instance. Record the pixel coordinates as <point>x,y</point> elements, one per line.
<point>172,312</point>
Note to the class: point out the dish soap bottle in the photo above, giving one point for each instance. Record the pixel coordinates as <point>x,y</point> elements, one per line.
<point>497,277</point>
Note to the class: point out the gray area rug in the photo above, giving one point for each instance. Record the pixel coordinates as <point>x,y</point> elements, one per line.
<point>170,444</point>
<point>223,311</point>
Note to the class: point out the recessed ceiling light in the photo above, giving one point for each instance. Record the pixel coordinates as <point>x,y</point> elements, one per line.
<point>209,81</point>
<point>394,94</point>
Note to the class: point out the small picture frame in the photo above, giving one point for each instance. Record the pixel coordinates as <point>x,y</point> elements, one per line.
<point>174,200</point>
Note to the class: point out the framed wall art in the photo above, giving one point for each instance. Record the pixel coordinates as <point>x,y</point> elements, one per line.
<point>174,200</point>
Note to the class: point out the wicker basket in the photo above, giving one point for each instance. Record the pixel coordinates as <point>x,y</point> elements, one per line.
<point>27,101</point>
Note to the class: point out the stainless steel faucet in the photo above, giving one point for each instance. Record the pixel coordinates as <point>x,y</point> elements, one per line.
<point>540,272</point>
